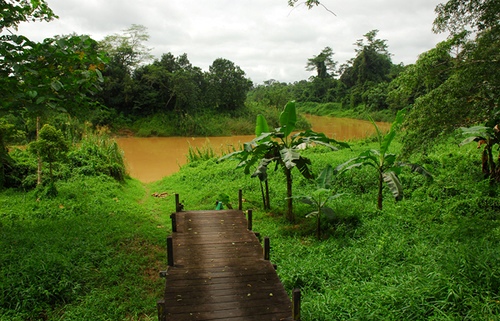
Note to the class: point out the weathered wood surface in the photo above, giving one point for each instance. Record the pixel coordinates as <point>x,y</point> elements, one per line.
<point>219,272</point>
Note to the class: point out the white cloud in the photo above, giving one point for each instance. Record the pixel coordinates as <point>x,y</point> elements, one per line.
<point>266,38</point>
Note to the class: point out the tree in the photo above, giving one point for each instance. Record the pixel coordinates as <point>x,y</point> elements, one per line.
<point>57,75</point>
<point>385,163</point>
<point>279,146</point>
<point>372,63</point>
<point>126,51</point>
<point>323,64</point>
<point>50,147</point>
<point>16,12</point>
<point>308,3</point>
<point>5,160</point>
<point>458,15</point>
<point>171,83</point>
<point>466,83</point>
<point>227,85</point>
<point>128,48</point>
<point>371,66</point>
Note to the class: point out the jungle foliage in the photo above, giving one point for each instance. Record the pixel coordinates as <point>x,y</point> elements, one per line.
<point>94,249</point>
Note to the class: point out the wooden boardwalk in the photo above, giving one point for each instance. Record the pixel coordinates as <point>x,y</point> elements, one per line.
<point>218,272</point>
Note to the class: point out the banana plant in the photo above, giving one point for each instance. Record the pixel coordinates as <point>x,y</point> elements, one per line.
<point>489,136</point>
<point>281,147</point>
<point>384,163</point>
<point>320,197</point>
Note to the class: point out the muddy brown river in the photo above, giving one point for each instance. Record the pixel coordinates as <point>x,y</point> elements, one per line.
<point>150,159</point>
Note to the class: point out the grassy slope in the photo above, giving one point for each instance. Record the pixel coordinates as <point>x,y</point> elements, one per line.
<point>94,251</point>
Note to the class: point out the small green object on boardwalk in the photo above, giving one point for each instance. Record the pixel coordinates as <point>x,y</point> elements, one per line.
<point>219,272</point>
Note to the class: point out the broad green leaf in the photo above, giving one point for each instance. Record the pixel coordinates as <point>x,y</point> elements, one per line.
<point>289,157</point>
<point>313,213</point>
<point>387,140</point>
<point>476,130</point>
<point>379,133</point>
<point>417,169</point>
<point>230,155</point>
<point>100,78</point>
<point>470,140</point>
<point>389,160</point>
<point>333,197</point>
<point>32,94</point>
<point>261,171</point>
<point>302,165</point>
<point>40,100</point>
<point>394,184</point>
<point>307,200</point>
<point>263,137</point>
<point>329,213</point>
<point>56,85</point>
<point>261,126</point>
<point>288,119</point>
<point>325,178</point>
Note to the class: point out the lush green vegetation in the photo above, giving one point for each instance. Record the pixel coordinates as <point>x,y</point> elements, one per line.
<point>95,249</point>
<point>433,255</point>
<point>91,253</point>
<point>86,242</point>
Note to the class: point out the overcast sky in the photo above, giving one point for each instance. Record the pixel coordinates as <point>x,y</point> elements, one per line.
<point>266,38</point>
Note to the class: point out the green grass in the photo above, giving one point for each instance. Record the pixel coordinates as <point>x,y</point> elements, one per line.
<point>94,251</point>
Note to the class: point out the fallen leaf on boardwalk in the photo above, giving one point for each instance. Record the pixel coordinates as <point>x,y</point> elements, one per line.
<point>249,294</point>
<point>270,294</point>
<point>249,285</point>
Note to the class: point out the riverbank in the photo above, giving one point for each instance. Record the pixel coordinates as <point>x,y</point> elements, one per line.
<point>337,110</point>
<point>94,251</point>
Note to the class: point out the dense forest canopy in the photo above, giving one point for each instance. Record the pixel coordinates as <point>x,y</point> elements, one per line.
<point>116,81</point>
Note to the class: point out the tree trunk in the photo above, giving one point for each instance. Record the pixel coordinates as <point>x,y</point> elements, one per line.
<point>268,199</point>
<point>492,169</point>
<point>39,159</point>
<point>380,186</point>
<point>289,214</point>
<point>264,202</point>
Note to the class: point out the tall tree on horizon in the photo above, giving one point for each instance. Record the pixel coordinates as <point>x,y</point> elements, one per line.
<point>323,64</point>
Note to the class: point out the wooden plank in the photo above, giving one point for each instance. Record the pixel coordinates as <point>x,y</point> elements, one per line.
<point>219,272</point>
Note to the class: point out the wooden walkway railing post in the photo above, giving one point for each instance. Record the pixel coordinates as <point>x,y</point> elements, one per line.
<point>250,220</point>
<point>178,205</point>
<point>170,251</point>
<point>240,200</point>
<point>267,248</point>
<point>296,304</point>
<point>174,222</point>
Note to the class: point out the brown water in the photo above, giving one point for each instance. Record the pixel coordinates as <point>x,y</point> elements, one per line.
<point>150,159</point>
